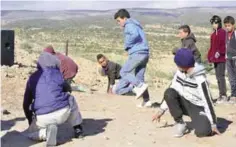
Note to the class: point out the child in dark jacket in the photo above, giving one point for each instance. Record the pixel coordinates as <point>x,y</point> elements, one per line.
<point>229,23</point>
<point>46,98</point>
<point>216,55</point>
<point>188,41</point>
<point>109,69</point>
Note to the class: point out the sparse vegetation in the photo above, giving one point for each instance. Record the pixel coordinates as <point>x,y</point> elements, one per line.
<point>91,35</point>
<point>26,46</point>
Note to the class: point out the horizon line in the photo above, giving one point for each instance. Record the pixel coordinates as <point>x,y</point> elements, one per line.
<point>119,8</point>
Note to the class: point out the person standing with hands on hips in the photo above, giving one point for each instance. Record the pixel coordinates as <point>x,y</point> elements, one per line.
<point>216,55</point>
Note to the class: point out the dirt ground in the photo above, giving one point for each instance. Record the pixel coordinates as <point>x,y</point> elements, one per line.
<point>109,120</point>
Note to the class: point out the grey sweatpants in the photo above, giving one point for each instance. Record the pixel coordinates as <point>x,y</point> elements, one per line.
<point>220,76</point>
<point>231,68</point>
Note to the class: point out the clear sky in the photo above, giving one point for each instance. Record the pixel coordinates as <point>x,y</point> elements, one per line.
<point>105,5</point>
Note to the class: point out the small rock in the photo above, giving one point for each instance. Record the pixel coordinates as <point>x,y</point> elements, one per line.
<point>5,112</point>
<point>9,76</point>
<point>153,142</point>
<point>107,138</point>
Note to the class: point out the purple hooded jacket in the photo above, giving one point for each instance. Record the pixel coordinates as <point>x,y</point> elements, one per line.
<point>44,89</point>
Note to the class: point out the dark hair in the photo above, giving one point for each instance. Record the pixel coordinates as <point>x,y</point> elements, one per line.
<point>185,28</point>
<point>122,13</point>
<point>229,19</point>
<point>216,19</point>
<point>99,56</point>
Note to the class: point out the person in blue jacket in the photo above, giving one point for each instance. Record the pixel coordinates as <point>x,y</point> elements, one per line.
<point>138,52</point>
<point>47,100</point>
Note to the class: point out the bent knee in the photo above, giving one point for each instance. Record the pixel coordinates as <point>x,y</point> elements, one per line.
<point>170,93</point>
<point>203,131</point>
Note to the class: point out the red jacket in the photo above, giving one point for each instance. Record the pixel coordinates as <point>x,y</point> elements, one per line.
<point>218,40</point>
<point>68,67</point>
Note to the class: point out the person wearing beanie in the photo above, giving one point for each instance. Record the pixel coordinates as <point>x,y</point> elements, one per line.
<point>189,95</point>
<point>216,55</point>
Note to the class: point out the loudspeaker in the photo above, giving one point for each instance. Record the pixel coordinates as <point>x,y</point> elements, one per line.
<point>7,47</point>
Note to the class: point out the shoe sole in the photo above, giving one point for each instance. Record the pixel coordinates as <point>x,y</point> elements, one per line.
<point>51,136</point>
<point>141,93</point>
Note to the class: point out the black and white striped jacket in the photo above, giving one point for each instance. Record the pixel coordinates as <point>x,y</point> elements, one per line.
<point>194,88</point>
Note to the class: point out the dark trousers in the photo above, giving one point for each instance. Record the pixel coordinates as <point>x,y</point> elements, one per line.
<point>178,106</point>
<point>220,76</point>
<point>231,68</point>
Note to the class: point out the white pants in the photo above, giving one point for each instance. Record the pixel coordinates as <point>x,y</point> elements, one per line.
<point>70,114</point>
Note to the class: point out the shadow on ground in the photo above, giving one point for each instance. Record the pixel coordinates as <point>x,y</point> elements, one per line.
<point>223,124</point>
<point>13,138</point>
<point>94,126</point>
<point>8,124</point>
<point>91,127</point>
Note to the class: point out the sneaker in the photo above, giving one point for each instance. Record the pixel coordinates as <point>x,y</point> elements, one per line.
<point>181,129</point>
<point>222,99</point>
<point>114,89</point>
<point>140,90</point>
<point>232,100</point>
<point>78,131</point>
<point>51,133</point>
<point>147,104</point>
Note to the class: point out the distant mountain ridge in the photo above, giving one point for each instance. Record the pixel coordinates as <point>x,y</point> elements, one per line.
<point>192,15</point>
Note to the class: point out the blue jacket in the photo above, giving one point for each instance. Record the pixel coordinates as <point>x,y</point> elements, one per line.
<point>44,88</point>
<point>135,40</point>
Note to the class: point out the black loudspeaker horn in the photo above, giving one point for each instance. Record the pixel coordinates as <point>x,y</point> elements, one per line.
<point>7,47</point>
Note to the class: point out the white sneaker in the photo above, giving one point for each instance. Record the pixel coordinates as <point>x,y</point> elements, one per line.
<point>114,89</point>
<point>181,130</point>
<point>140,90</point>
<point>147,104</point>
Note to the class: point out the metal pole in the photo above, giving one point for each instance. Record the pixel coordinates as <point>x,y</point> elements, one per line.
<point>66,49</point>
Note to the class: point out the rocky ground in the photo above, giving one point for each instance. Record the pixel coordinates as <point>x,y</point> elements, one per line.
<point>109,120</point>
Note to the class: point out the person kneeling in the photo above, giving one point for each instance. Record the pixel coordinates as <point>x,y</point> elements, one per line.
<point>189,95</point>
<point>48,101</point>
